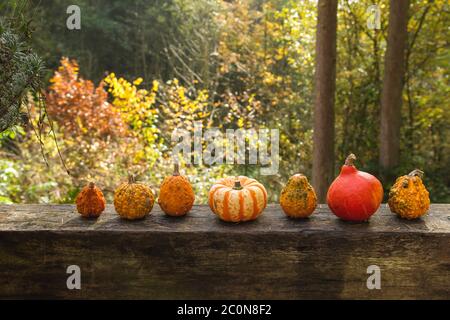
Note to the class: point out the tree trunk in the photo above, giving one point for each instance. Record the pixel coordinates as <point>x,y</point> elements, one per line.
<point>394,71</point>
<point>325,83</point>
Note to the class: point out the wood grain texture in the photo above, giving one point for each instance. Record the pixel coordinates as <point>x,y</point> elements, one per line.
<point>393,81</point>
<point>200,257</point>
<point>323,171</point>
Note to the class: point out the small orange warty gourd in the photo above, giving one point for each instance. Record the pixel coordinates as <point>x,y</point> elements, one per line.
<point>237,199</point>
<point>176,195</point>
<point>298,198</point>
<point>408,197</point>
<point>90,201</point>
<point>133,200</point>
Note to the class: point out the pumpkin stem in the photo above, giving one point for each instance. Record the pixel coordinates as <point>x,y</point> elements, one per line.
<point>350,159</point>
<point>131,179</point>
<point>91,185</point>
<point>416,173</point>
<point>176,169</point>
<point>237,184</point>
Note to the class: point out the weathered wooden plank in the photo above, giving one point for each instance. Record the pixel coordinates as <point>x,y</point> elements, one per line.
<point>64,217</point>
<point>199,256</point>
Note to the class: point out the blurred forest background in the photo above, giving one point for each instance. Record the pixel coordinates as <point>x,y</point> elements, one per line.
<point>138,69</point>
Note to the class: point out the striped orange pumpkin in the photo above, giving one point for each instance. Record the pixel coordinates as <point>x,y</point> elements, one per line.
<point>237,199</point>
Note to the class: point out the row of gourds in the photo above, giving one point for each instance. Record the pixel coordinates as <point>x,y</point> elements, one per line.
<point>354,196</point>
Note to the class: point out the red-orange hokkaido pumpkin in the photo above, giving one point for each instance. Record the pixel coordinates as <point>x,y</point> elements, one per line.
<point>354,195</point>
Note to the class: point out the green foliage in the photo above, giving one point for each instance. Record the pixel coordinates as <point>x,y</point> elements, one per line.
<point>9,188</point>
<point>21,72</point>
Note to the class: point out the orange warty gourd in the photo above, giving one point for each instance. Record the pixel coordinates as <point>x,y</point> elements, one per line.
<point>237,199</point>
<point>298,198</point>
<point>90,201</point>
<point>354,195</point>
<point>176,195</point>
<point>133,200</point>
<point>408,197</point>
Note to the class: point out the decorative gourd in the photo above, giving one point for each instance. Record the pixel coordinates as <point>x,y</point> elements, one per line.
<point>237,199</point>
<point>354,195</point>
<point>90,201</point>
<point>176,195</point>
<point>298,198</point>
<point>133,200</point>
<point>408,197</point>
